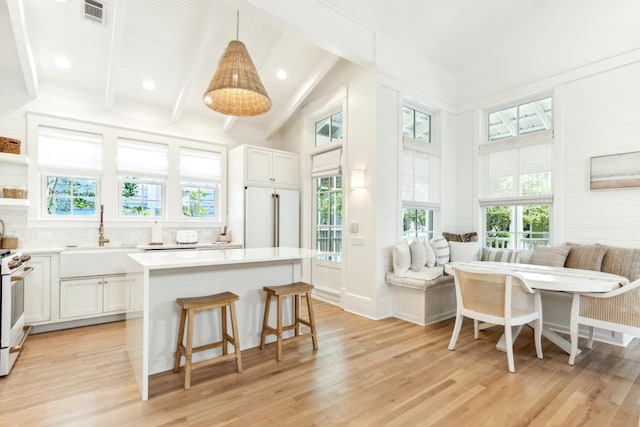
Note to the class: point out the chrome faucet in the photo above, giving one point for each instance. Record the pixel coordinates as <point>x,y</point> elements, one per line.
<point>101,239</point>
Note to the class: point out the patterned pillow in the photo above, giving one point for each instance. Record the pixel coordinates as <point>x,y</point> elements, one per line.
<point>431,255</point>
<point>464,251</point>
<point>500,255</point>
<point>586,257</point>
<point>554,256</point>
<point>467,237</point>
<point>441,248</point>
<point>418,255</point>
<point>622,261</point>
<point>401,258</point>
<point>451,237</point>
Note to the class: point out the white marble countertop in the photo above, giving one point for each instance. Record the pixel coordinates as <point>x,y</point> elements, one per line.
<point>171,246</point>
<point>179,259</point>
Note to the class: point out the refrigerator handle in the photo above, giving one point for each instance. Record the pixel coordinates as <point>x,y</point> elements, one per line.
<point>276,219</point>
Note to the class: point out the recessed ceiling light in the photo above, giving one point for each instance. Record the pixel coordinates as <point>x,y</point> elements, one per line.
<point>148,84</point>
<point>281,74</point>
<point>62,62</point>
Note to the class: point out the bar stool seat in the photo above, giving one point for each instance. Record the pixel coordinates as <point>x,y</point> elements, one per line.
<point>189,306</point>
<point>295,290</point>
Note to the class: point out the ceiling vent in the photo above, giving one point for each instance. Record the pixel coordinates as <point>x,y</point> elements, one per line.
<point>94,11</point>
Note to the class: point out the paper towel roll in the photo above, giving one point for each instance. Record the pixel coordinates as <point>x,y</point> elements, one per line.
<point>156,233</point>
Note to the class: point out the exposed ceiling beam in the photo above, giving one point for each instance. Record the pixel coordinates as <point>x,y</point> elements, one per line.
<point>24,45</point>
<point>321,69</point>
<point>198,59</point>
<point>115,51</point>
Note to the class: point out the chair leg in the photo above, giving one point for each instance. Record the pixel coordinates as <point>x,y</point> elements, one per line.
<point>223,313</point>
<point>509,347</point>
<point>573,333</point>
<point>296,314</point>
<point>312,321</point>
<point>279,335</point>
<point>236,340</point>
<point>187,364</point>
<point>176,364</point>
<point>456,332</point>
<point>476,329</point>
<point>265,321</point>
<point>592,333</point>
<point>537,336</point>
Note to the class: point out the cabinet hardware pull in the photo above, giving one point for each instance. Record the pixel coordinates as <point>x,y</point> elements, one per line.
<point>17,348</point>
<point>26,271</point>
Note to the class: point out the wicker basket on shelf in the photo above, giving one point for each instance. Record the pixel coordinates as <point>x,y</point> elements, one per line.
<point>9,145</point>
<point>9,243</point>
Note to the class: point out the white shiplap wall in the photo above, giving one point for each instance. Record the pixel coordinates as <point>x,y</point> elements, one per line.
<point>600,116</point>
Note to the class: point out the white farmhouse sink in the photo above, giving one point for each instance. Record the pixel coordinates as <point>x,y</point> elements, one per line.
<point>94,261</point>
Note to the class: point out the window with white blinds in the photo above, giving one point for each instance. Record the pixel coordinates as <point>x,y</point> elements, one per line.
<point>516,190</point>
<point>328,163</point>
<point>200,164</point>
<point>142,158</point>
<point>420,177</point>
<point>63,150</point>
<point>200,175</point>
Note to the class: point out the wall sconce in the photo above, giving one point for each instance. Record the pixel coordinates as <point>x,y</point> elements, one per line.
<point>357,179</point>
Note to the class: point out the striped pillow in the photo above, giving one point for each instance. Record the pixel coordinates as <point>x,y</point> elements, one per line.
<point>586,257</point>
<point>418,255</point>
<point>622,261</point>
<point>500,255</point>
<point>551,256</point>
<point>441,248</point>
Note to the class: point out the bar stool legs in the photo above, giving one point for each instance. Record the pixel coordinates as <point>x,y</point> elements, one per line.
<point>189,306</point>
<point>294,290</point>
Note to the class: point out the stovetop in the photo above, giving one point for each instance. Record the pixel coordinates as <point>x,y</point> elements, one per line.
<point>11,261</point>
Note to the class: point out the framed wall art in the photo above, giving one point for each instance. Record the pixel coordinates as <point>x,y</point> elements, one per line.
<point>615,171</point>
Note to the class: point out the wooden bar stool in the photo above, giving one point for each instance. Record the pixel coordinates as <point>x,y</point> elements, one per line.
<point>189,306</point>
<point>295,290</point>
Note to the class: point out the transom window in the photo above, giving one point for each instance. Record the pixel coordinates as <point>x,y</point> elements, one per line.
<point>416,125</point>
<point>520,119</point>
<point>329,129</point>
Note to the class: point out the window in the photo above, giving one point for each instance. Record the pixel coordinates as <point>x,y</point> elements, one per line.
<point>61,150</point>
<point>67,196</point>
<point>329,129</point>
<point>329,216</point>
<point>520,119</point>
<point>417,224</point>
<point>142,169</point>
<point>416,125</point>
<point>516,181</point>
<point>200,173</point>
<point>517,226</point>
<point>141,197</point>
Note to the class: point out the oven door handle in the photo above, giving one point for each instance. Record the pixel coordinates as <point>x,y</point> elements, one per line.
<point>25,273</point>
<point>17,348</point>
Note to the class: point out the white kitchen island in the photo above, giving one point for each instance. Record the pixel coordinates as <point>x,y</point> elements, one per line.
<point>161,277</point>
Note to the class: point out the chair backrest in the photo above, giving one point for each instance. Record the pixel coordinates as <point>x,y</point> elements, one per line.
<point>492,292</point>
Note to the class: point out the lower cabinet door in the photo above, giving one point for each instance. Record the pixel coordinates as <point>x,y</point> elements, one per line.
<point>37,301</point>
<point>116,293</point>
<point>80,297</point>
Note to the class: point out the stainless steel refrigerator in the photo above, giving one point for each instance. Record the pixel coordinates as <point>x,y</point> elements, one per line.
<point>271,217</point>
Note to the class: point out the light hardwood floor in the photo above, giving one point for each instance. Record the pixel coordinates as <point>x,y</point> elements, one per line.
<point>364,373</point>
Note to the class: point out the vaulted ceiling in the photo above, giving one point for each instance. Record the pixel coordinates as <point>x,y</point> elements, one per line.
<point>177,44</point>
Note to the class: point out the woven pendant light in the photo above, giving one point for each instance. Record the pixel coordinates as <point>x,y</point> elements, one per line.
<point>236,88</point>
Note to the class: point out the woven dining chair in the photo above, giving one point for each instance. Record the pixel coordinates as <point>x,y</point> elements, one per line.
<point>499,298</point>
<point>617,310</point>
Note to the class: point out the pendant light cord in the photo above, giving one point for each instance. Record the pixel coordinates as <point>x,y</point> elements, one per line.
<point>238,24</point>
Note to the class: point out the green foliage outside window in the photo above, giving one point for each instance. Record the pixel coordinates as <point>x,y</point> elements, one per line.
<point>71,196</point>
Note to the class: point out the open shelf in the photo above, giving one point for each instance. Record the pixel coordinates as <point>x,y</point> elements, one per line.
<point>16,203</point>
<point>18,159</point>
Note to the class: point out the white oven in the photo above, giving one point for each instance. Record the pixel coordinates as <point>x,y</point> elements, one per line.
<point>13,331</point>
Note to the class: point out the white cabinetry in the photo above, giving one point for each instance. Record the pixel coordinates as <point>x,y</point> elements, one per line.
<point>94,296</point>
<point>272,168</point>
<point>37,301</point>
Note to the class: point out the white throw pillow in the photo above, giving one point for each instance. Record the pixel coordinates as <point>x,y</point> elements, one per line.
<point>441,248</point>
<point>401,258</point>
<point>418,255</point>
<point>431,255</point>
<point>464,251</point>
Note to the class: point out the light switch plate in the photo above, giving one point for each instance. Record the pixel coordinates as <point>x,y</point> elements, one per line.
<point>353,227</point>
